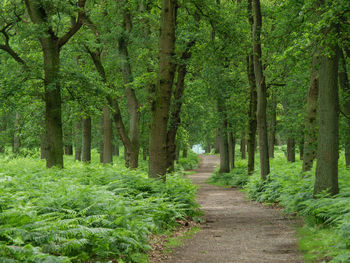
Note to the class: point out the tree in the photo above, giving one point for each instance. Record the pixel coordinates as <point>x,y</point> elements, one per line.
<point>261,91</point>
<point>162,96</point>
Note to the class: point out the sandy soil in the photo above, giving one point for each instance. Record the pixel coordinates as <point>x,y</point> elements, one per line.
<point>236,229</point>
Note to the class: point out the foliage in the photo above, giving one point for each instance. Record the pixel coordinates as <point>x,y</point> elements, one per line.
<point>190,162</point>
<point>85,212</point>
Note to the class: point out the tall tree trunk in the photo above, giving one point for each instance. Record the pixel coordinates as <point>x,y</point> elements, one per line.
<point>261,91</point>
<point>54,137</point>
<point>184,152</point>
<point>16,135</point>
<point>217,142</point>
<point>272,126</point>
<point>68,139</point>
<point>223,138</point>
<point>3,127</point>
<point>107,136</point>
<point>160,105</point>
<point>252,109</point>
<point>301,147</point>
<point>133,104</point>
<point>328,133</point>
<point>101,138</point>
<point>77,140</point>
<point>243,145</point>
<point>291,150</point>
<point>231,149</point>
<point>86,140</point>
<point>175,118</point>
<point>344,85</point>
<point>310,130</point>
<point>43,146</point>
<point>51,46</point>
<point>117,152</point>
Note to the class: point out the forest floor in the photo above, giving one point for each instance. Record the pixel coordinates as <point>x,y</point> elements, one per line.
<point>235,229</point>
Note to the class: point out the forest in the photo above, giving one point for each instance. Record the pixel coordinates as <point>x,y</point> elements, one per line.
<point>102,102</point>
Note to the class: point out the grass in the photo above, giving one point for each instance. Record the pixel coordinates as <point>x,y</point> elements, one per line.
<point>326,234</point>
<point>86,213</point>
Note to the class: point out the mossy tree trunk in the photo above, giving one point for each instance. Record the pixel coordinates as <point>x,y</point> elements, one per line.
<point>161,103</point>
<point>328,133</point>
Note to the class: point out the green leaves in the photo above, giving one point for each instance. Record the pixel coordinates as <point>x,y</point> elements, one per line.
<point>85,212</point>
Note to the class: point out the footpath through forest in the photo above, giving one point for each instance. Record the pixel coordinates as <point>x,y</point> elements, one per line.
<point>236,229</point>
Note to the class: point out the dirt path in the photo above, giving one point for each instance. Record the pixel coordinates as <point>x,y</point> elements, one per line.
<point>236,230</point>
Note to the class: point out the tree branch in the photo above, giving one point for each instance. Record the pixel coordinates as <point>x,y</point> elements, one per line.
<point>75,28</point>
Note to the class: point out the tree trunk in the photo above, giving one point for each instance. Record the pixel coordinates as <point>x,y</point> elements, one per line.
<point>16,135</point>
<point>223,138</point>
<point>3,127</point>
<point>175,118</point>
<point>252,109</point>
<point>107,136</point>
<point>184,152</point>
<point>328,133</point>
<point>217,143</point>
<point>310,130</point>
<point>86,142</point>
<point>77,141</point>
<point>261,91</point>
<point>231,149</point>
<point>101,138</point>
<point>301,148</point>
<point>243,146</point>
<point>133,104</point>
<point>144,154</point>
<point>117,152</point>
<point>43,146</point>
<point>291,150</point>
<point>344,85</point>
<point>160,105</point>
<point>68,149</point>
<point>273,123</point>
<point>51,46</point>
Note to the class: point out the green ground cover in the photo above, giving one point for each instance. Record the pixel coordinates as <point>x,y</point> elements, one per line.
<point>86,213</point>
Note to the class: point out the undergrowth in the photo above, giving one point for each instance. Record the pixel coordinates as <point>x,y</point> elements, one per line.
<point>85,213</point>
<point>326,234</point>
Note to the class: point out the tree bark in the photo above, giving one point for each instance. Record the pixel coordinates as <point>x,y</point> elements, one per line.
<point>107,136</point>
<point>231,149</point>
<point>252,109</point>
<point>133,103</point>
<point>101,138</point>
<point>328,145</point>
<point>160,105</point>
<point>223,138</point>
<point>16,135</point>
<point>175,118</point>
<point>310,130</point>
<point>344,85</point>
<point>261,91</point>
<point>86,140</point>
<point>3,127</point>
<point>243,146</point>
<point>77,141</point>
<point>184,152</point>
<point>272,124</point>
<point>291,150</point>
